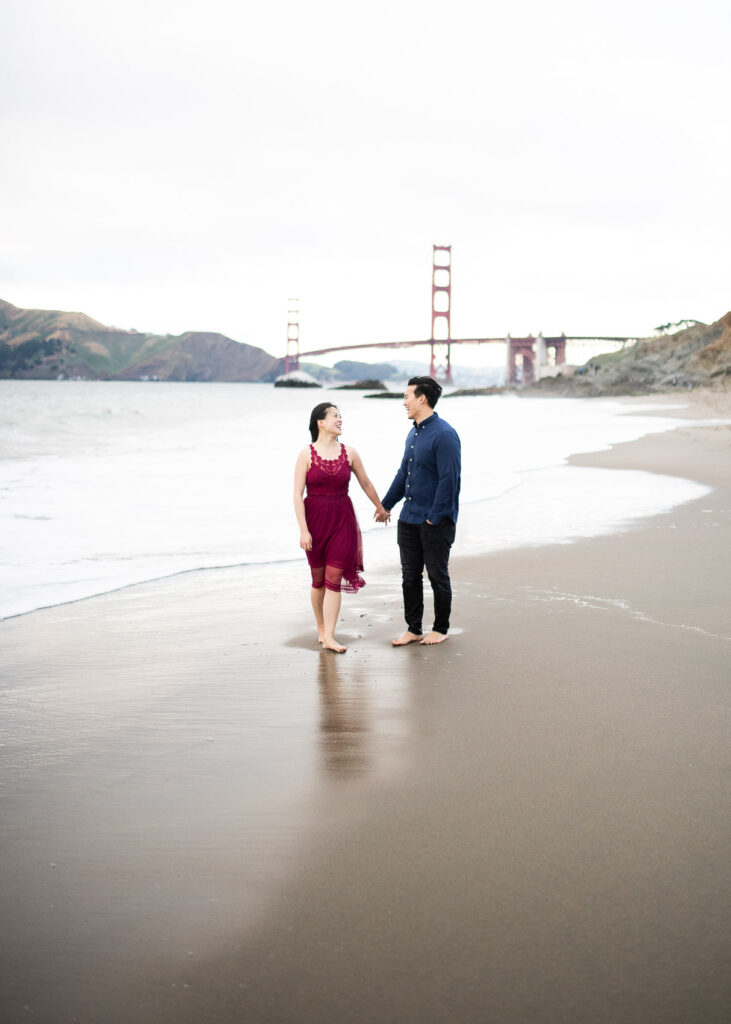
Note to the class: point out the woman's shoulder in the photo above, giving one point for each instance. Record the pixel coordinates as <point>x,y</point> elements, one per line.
<point>351,454</point>
<point>304,453</point>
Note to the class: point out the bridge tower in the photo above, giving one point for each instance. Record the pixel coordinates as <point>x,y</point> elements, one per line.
<point>559,347</point>
<point>441,309</point>
<point>292,356</point>
<point>525,348</point>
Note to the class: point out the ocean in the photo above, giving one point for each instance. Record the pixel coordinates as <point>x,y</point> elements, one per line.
<point>108,484</point>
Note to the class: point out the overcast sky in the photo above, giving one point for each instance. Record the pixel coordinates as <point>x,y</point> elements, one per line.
<point>172,165</point>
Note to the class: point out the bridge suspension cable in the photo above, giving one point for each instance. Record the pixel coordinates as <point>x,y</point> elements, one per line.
<point>525,356</point>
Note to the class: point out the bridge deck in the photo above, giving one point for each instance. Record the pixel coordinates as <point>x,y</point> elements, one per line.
<point>461,341</point>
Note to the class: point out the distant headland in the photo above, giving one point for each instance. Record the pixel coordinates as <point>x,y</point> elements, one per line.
<point>42,344</point>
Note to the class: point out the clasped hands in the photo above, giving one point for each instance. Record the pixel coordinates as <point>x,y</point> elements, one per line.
<point>382,515</point>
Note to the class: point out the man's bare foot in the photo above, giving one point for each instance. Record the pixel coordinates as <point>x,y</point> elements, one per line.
<point>435,638</point>
<point>333,645</point>
<point>407,638</point>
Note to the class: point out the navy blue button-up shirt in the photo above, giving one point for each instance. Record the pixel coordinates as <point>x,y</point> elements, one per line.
<point>428,478</point>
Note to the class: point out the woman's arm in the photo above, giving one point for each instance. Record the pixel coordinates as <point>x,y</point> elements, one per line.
<point>365,483</point>
<point>300,480</point>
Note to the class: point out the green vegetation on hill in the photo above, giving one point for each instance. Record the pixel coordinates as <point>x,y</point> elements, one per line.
<point>50,344</point>
<point>27,355</point>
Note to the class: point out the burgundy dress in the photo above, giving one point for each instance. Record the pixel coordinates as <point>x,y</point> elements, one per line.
<point>336,558</point>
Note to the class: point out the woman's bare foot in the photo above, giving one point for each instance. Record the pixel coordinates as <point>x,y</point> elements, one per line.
<point>321,634</point>
<point>435,638</point>
<point>407,638</point>
<point>332,645</point>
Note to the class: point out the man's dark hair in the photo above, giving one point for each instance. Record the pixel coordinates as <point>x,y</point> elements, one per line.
<point>319,413</point>
<point>428,387</point>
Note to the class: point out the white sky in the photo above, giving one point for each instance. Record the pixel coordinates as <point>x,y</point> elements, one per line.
<point>170,165</point>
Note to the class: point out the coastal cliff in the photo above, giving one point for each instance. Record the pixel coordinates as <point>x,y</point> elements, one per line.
<point>699,356</point>
<point>41,344</point>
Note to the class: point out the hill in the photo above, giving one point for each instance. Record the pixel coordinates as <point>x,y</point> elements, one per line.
<point>699,356</point>
<point>42,344</point>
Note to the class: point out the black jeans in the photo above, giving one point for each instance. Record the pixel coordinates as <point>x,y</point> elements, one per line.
<point>423,545</point>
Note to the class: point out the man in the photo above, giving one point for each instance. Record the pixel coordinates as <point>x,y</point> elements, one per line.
<point>428,480</point>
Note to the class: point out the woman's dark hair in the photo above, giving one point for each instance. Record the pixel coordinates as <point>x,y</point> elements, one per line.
<point>428,387</point>
<point>319,413</point>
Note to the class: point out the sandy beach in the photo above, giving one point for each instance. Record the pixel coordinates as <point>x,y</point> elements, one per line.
<point>205,818</point>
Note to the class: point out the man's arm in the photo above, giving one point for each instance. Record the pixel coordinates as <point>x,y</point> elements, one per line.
<point>448,457</point>
<point>398,488</point>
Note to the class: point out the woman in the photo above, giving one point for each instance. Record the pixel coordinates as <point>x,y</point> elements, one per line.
<point>329,532</point>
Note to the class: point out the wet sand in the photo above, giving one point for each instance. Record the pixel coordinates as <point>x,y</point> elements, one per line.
<point>206,818</point>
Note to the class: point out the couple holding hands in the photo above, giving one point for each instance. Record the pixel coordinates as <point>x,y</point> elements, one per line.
<point>428,481</point>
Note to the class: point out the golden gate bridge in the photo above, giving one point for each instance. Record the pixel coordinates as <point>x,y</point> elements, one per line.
<point>527,357</point>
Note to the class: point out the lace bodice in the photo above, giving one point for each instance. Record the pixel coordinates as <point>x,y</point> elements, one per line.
<point>328,477</point>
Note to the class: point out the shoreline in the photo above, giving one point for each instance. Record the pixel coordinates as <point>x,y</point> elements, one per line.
<point>703,405</point>
<point>527,823</point>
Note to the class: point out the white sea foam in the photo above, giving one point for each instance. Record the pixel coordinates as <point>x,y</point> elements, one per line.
<point>107,484</point>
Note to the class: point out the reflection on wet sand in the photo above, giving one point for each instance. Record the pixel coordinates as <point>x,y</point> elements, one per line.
<point>178,774</point>
<point>345,749</point>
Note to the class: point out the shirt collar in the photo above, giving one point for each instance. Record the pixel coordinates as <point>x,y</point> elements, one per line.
<point>420,426</point>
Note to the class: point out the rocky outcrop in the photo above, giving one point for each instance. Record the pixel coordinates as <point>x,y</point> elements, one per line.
<point>699,356</point>
<point>363,385</point>
<point>474,392</point>
<point>296,379</point>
